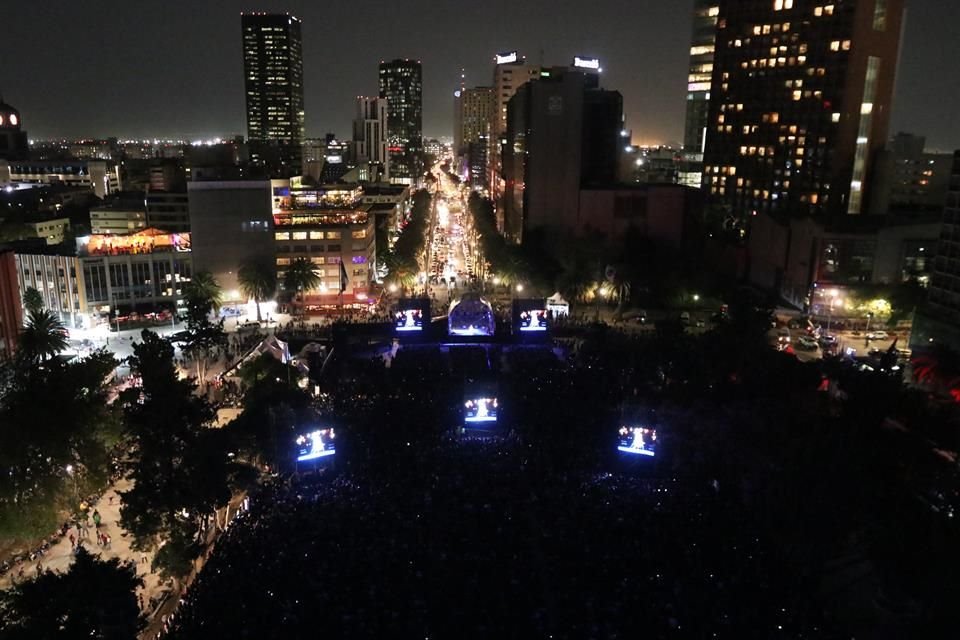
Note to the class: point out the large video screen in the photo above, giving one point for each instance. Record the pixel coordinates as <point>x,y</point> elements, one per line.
<point>480,409</point>
<point>531,316</point>
<point>641,441</point>
<point>316,444</point>
<point>409,320</point>
<point>412,315</point>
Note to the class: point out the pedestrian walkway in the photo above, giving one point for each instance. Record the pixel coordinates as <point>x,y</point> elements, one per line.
<point>60,556</point>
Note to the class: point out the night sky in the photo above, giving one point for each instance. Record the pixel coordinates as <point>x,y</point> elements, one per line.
<point>174,69</point>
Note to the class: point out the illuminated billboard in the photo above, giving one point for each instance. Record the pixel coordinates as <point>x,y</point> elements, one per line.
<point>640,441</point>
<point>507,58</point>
<point>316,444</point>
<point>586,63</point>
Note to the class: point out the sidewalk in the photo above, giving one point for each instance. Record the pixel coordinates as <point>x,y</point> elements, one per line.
<point>60,556</point>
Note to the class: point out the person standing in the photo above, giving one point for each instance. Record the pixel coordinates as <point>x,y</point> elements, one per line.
<point>96,519</point>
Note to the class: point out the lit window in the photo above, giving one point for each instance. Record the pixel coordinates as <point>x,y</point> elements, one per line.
<point>835,45</point>
<point>281,235</point>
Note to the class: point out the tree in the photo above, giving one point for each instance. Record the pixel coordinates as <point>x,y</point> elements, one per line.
<point>32,300</point>
<point>39,438</point>
<point>258,280</point>
<point>94,599</point>
<point>43,337</point>
<point>301,276</point>
<point>179,471</point>
<point>202,295</point>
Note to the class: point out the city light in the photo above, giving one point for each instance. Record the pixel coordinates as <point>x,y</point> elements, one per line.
<point>519,288</point>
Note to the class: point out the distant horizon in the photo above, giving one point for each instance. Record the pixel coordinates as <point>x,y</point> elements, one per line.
<point>189,84</point>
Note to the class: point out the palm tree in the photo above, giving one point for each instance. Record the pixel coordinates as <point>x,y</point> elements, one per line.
<point>258,280</point>
<point>32,300</point>
<point>203,294</point>
<point>301,277</point>
<point>43,337</point>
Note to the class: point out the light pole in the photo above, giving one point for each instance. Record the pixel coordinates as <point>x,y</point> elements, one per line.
<point>76,490</point>
<point>833,298</point>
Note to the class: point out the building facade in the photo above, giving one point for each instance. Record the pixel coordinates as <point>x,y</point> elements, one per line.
<point>939,320</point>
<point>273,78</point>
<point>370,138</point>
<point>401,84</point>
<point>799,104</point>
<point>337,241</point>
<point>168,210</point>
<point>478,109</point>
<point>231,222</point>
<point>563,132</point>
<point>908,177</point>
<point>119,220</point>
<point>11,318</point>
<point>698,89</point>
<point>100,177</point>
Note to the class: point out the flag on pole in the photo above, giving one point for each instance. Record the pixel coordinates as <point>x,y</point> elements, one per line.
<point>343,278</point>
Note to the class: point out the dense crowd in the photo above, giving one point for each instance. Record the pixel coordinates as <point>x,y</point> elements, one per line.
<point>457,535</point>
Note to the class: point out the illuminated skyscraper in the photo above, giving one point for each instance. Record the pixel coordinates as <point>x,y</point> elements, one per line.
<point>401,83</point>
<point>698,89</point>
<point>799,104</point>
<point>370,138</point>
<point>273,74</point>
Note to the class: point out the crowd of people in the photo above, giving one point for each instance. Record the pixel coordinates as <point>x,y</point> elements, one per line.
<point>418,529</point>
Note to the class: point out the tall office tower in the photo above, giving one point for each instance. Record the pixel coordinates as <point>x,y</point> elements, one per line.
<point>563,133</point>
<point>370,137</point>
<point>401,83</point>
<point>273,72</point>
<point>698,90</point>
<point>800,102</point>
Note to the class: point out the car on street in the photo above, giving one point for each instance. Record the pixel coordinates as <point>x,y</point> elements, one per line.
<point>878,335</point>
<point>806,343</point>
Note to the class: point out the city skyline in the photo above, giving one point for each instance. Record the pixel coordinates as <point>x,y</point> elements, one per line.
<point>195,67</point>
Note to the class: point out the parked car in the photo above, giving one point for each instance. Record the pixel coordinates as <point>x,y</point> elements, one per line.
<point>827,340</point>
<point>878,335</point>
<point>685,317</point>
<point>641,317</point>
<point>806,343</point>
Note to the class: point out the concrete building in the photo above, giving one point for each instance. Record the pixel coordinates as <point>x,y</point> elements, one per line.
<point>230,222</point>
<point>401,84</point>
<point>795,257</point>
<point>273,79</point>
<point>510,72</point>
<point>118,218</point>
<point>11,318</point>
<point>563,133</point>
<point>800,104</point>
<point>667,213</point>
<point>939,319</point>
<point>142,272</point>
<point>168,210</point>
<point>57,274</point>
<point>327,237</point>
<point>52,230</point>
<point>907,177</point>
<point>370,139</point>
<point>102,178</point>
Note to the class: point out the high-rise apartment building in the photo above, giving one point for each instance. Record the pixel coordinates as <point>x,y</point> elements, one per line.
<point>370,137</point>
<point>698,89</point>
<point>799,104</point>
<point>401,84</point>
<point>478,108</point>
<point>273,75</point>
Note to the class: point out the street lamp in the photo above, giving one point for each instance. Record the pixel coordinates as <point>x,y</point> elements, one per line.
<point>696,297</point>
<point>76,491</point>
<point>519,288</point>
